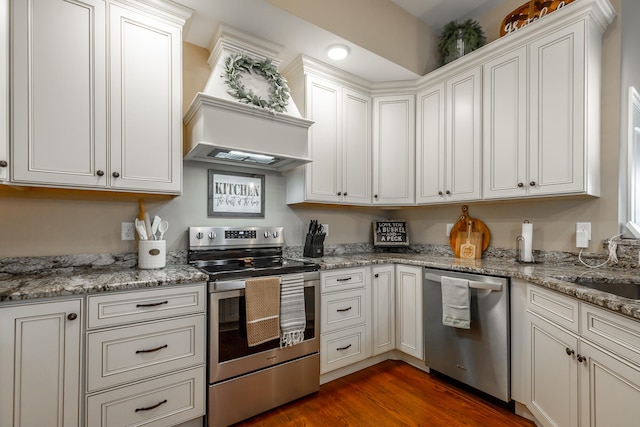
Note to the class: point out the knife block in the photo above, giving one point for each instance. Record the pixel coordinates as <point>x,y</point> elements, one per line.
<point>313,245</point>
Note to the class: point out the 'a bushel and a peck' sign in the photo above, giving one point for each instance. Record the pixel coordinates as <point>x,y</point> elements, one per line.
<point>390,233</point>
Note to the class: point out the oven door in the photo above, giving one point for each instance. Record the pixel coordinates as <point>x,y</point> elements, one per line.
<point>229,353</point>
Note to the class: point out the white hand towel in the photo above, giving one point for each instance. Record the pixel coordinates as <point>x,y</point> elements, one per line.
<point>456,302</point>
<point>293,317</point>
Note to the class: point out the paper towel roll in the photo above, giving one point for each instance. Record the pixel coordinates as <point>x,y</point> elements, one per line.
<point>527,234</point>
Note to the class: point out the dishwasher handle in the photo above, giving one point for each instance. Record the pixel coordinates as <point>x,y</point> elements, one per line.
<point>473,284</point>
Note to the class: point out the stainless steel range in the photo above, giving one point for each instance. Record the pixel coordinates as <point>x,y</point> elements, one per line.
<point>246,380</point>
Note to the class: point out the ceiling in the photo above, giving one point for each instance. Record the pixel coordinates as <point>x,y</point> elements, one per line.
<point>297,36</point>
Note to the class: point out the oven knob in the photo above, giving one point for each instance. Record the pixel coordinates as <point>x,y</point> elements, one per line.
<point>275,234</point>
<point>266,234</point>
<point>212,235</point>
<point>199,235</point>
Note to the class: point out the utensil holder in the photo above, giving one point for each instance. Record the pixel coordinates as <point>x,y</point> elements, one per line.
<point>152,254</point>
<point>313,246</point>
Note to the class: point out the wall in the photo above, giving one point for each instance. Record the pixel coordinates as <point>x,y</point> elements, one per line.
<point>46,222</point>
<point>369,23</point>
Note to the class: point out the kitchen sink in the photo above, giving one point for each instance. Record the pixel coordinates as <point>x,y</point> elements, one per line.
<point>626,290</point>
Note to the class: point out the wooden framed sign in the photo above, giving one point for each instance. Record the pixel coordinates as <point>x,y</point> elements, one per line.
<point>529,12</point>
<point>233,194</point>
<point>390,233</point>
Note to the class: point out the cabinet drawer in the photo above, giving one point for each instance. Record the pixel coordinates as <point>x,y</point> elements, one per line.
<point>164,401</point>
<point>342,348</point>
<point>338,280</point>
<point>614,332</point>
<point>552,306</point>
<point>117,309</point>
<point>342,309</point>
<point>119,355</point>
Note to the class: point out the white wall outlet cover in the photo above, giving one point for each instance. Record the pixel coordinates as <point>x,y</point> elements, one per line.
<point>585,227</point>
<point>127,231</point>
<point>326,229</point>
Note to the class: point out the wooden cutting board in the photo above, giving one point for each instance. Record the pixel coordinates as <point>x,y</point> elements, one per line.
<point>480,234</point>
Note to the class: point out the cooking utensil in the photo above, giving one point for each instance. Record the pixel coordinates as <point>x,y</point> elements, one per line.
<point>140,228</point>
<point>468,249</point>
<point>162,228</point>
<point>144,216</point>
<point>461,227</point>
<point>154,226</point>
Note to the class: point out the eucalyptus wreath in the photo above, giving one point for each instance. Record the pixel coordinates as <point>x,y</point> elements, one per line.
<point>471,33</point>
<point>237,64</point>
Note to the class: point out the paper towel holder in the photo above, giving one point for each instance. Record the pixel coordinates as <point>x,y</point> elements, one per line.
<point>519,246</point>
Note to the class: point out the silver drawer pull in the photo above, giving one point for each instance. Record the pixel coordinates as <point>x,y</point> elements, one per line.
<point>346,279</point>
<point>151,350</point>
<point>341,310</point>
<point>489,286</point>
<point>343,348</point>
<point>148,408</point>
<point>153,304</point>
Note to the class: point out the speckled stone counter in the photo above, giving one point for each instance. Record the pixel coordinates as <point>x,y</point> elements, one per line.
<point>30,278</point>
<point>44,277</point>
<point>552,276</point>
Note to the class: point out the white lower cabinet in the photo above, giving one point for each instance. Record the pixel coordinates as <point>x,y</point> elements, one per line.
<point>582,375</point>
<point>146,357</point>
<point>409,335</point>
<point>345,317</point>
<point>384,311</point>
<point>40,363</point>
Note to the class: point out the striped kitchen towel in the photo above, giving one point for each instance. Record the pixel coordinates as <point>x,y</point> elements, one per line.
<point>262,301</point>
<point>292,310</point>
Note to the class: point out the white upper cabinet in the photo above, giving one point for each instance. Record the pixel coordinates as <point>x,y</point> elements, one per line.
<point>63,135</point>
<point>339,142</point>
<point>448,156</point>
<point>542,113</point>
<point>4,90</point>
<point>145,101</point>
<point>505,125</point>
<point>394,150</point>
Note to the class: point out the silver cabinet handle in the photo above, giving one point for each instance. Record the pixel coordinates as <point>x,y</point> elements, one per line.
<point>490,286</point>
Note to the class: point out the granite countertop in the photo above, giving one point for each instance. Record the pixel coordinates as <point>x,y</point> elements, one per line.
<point>71,280</point>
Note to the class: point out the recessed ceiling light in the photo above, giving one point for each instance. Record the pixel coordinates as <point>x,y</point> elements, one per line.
<point>338,52</point>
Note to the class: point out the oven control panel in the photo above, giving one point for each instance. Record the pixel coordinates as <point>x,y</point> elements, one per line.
<point>229,237</point>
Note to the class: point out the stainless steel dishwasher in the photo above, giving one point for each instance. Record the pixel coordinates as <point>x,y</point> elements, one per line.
<point>479,356</point>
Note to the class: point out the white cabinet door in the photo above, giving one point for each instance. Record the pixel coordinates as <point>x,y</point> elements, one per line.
<point>430,145</point>
<point>505,125</point>
<point>59,96</point>
<point>394,150</point>
<point>323,175</point>
<point>557,113</point>
<point>383,311</point>
<point>356,148</point>
<point>40,364</point>
<point>463,155</point>
<point>146,116</point>
<point>409,335</point>
<point>4,90</point>
<point>553,373</point>
<point>610,390</point>
<point>448,160</point>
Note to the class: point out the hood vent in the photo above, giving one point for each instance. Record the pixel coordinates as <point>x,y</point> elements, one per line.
<point>222,129</point>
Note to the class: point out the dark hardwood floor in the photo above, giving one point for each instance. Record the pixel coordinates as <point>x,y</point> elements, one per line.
<point>391,393</point>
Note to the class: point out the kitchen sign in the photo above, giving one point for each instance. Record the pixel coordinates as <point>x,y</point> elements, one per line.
<point>233,194</point>
<point>528,13</point>
<point>390,233</point>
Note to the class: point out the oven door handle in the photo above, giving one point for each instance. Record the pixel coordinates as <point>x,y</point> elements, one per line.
<point>473,284</point>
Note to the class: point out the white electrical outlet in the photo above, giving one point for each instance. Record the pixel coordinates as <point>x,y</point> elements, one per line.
<point>325,229</point>
<point>583,234</point>
<point>127,231</point>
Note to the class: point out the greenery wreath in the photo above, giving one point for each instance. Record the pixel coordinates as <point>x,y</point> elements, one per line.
<point>471,33</point>
<point>237,64</point>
